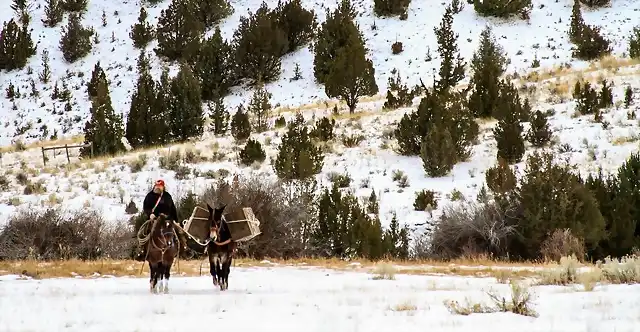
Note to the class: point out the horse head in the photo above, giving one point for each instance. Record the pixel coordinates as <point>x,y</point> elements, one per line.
<point>215,221</point>
<point>163,229</point>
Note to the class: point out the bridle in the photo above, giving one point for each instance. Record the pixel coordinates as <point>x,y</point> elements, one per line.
<point>164,243</point>
<point>214,232</point>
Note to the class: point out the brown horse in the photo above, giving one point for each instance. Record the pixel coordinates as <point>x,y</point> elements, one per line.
<point>220,249</point>
<point>161,251</point>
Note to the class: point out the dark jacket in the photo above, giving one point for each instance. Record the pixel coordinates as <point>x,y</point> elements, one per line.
<point>165,205</point>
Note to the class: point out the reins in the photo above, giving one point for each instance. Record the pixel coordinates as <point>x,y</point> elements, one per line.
<point>165,246</point>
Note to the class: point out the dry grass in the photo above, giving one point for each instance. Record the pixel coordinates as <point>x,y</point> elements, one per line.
<point>404,306</point>
<point>519,302</point>
<point>47,143</point>
<point>387,270</point>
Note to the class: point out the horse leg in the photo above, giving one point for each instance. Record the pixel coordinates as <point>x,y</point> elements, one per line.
<point>226,269</point>
<point>167,273</point>
<point>153,280</point>
<point>212,267</point>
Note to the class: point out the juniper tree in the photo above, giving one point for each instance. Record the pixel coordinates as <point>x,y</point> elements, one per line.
<point>549,197</point>
<point>146,123</point>
<point>179,31</point>
<point>16,46</point>
<point>219,116</point>
<point>298,23</point>
<point>75,6</point>
<point>508,136</point>
<point>487,65</point>
<point>502,8</point>
<point>215,67</point>
<point>337,31</point>
<point>162,105</point>
<point>628,96</point>
<point>142,32</point>
<point>211,12</point>
<point>634,43</point>
<point>53,13</point>
<point>45,74</point>
<point>500,179</point>
<point>186,116</point>
<point>386,8</point>
<point>539,133</point>
<point>298,158</point>
<point>240,124</point>
<point>351,75</point>
<point>260,108</point>
<point>75,42</point>
<point>452,65</point>
<point>22,9</point>
<point>97,76</point>
<point>259,43</point>
<point>252,152</point>
<point>104,130</point>
<point>437,150</point>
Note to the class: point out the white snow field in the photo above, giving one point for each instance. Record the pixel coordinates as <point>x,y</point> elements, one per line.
<point>292,299</point>
<point>108,184</point>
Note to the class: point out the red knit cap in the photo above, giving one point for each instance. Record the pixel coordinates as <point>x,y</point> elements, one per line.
<point>159,183</point>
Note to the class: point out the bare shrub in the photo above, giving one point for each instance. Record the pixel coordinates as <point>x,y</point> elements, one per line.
<point>50,235</point>
<point>562,243</point>
<point>470,229</point>
<point>282,215</point>
<point>468,308</point>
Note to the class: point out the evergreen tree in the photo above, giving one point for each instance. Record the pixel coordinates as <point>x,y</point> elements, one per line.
<point>551,197</point>
<point>75,42</point>
<point>75,6</point>
<point>373,206</point>
<point>215,67</point>
<point>145,125</point>
<point>142,32</point>
<point>351,75</point>
<point>186,117</point>
<point>298,24</point>
<point>240,125</point>
<point>179,31</point>
<point>386,8</point>
<point>97,76</point>
<point>337,31</point>
<point>508,135</point>
<point>53,13</point>
<point>104,129</point>
<point>260,108</point>
<point>16,46</point>
<point>577,23</point>
<point>252,152</point>
<point>452,66</point>
<point>539,133</point>
<point>162,106</point>
<point>502,8</point>
<point>259,43</point>
<point>500,179</point>
<point>488,64</point>
<point>437,151</point>
<point>219,117</point>
<point>298,158</point>
<point>211,12</point>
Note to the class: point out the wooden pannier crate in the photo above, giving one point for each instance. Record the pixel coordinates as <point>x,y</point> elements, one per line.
<point>243,224</point>
<point>197,226</point>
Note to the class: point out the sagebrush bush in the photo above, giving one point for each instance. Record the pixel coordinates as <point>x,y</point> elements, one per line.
<point>52,235</point>
<point>564,274</point>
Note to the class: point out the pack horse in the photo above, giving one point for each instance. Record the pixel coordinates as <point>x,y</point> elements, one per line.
<point>219,234</point>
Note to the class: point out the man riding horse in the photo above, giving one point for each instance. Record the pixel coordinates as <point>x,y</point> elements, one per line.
<point>158,201</point>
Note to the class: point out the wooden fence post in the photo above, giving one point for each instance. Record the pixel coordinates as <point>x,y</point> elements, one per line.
<point>66,149</point>
<point>44,158</point>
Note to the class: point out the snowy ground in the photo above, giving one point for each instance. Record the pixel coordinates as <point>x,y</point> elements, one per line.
<point>290,299</point>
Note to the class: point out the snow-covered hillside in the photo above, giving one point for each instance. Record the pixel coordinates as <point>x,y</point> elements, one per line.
<point>109,184</point>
